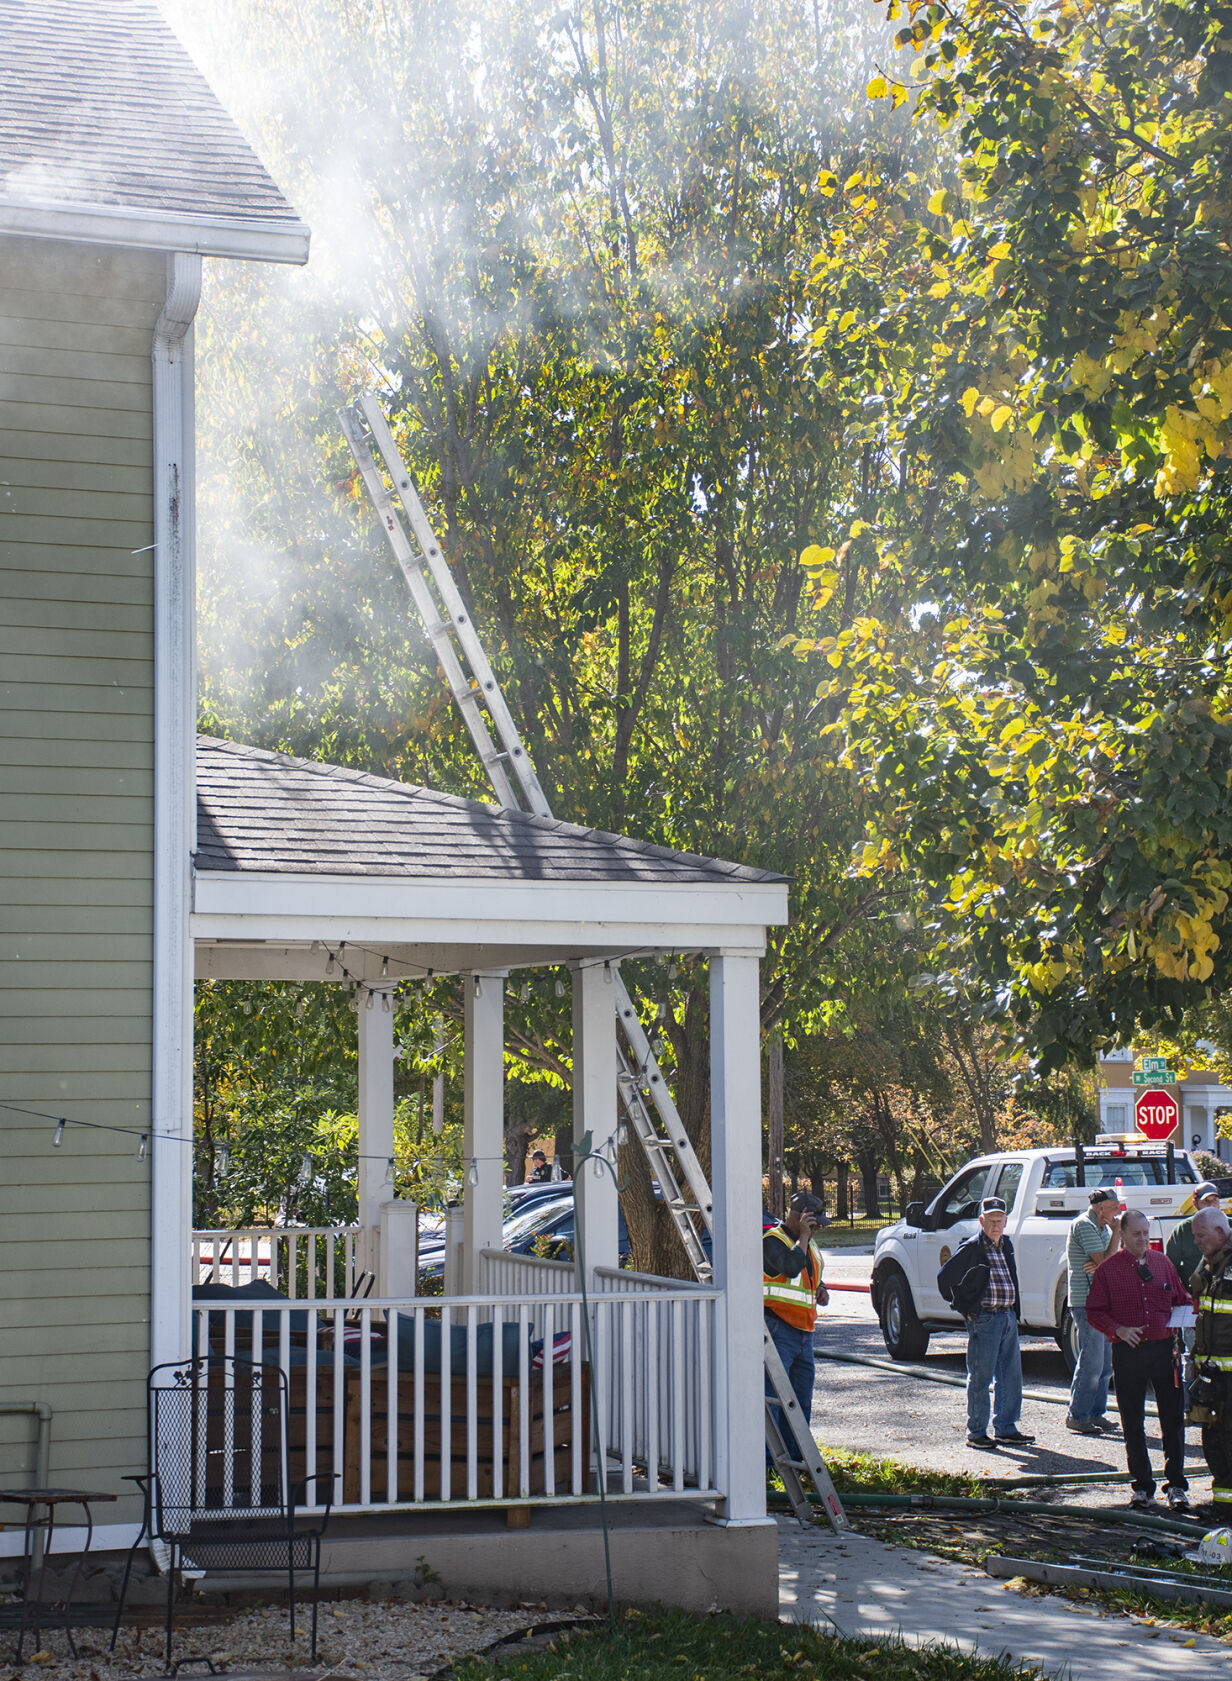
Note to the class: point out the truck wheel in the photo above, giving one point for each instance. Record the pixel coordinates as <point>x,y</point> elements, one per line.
<point>904,1336</point>
<point>1067,1338</point>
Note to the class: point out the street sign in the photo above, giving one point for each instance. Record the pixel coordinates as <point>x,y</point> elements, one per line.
<point>1154,1064</point>
<point>1156,1113</point>
<point>1157,1077</point>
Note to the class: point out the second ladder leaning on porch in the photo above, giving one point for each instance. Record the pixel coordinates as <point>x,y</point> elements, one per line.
<point>668,1149</point>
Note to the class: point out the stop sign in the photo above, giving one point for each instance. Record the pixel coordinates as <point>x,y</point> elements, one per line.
<point>1156,1112</point>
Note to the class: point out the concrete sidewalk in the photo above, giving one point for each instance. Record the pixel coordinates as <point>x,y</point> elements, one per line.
<point>863,1587</point>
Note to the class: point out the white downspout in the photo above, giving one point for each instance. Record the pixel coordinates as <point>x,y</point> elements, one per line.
<point>175,703</point>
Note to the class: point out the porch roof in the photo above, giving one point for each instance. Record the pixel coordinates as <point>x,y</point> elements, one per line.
<point>292,851</point>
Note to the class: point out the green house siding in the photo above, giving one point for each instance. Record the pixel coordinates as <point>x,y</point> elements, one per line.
<point>76,848</point>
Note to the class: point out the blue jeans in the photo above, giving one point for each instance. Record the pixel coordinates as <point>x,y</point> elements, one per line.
<point>796,1352</point>
<point>1088,1394</point>
<point>993,1359</point>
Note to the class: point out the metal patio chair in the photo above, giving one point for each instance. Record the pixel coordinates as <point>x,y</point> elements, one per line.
<point>216,1487</point>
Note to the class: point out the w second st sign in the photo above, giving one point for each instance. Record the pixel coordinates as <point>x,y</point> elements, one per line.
<point>1157,1113</point>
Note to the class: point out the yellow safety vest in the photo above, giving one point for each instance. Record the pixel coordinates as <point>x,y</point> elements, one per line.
<point>794,1299</point>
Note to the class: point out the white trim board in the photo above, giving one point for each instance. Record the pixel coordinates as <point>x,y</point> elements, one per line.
<point>71,1538</point>
<point>260,905</point>
<point>156,230</point>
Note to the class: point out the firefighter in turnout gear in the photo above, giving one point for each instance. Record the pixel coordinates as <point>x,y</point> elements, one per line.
<point>791,1289</point>
<point>1210,1401</point>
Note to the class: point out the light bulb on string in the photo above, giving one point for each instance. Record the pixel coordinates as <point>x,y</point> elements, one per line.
<point>224,1159</point>
<point>305,1171</point>
<point>329,964</point>
<point>656,1046</point>
<point>673,969</point>
<point>622,1134</point>
<point>472,1172</point>
<point>524,992</point>
<point>560,987</point>
<point>143,1147</point>
<point>389,1171</point>
<point>384,968</point>
<point>59,1137</point>
<point>661,1013</point>
<point>386,1005</point>
<point>370,999</point>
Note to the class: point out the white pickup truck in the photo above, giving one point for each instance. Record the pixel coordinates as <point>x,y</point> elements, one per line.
<point>1043,1191</point>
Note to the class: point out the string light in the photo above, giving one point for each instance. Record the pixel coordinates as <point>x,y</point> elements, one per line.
<point>385,1004</point>
<point>622,1134</point>
<point>560,987</point>
<point>329,964</point>
<point>59,1137</point>
<point>478,986</point>
<point>143,1147</point>
<point>524,992</point>
<point>370,999</point>
<point>673,969</point>
<point>384,967</point>
<point>305,1171</point>
<point>472,1172</point>
<point>390,1170</point>
<point>224,1159</point>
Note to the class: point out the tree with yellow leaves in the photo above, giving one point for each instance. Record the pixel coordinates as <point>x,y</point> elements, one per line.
<point>1046,736</point>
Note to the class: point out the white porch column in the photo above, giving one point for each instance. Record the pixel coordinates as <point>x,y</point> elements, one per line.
<point>484,1121</point>
<point>595,1109</point>
<point>735,1152</point>
<point>376,1113</point>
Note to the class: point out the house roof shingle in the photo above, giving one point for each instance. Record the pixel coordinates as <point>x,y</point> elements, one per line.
<point>102,110</point>
<point>270,812</point>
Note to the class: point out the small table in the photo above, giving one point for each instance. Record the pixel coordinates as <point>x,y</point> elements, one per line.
<point>50,1498</point>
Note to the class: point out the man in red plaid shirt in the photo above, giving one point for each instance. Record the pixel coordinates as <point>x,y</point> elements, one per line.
<point>1132,1297</point>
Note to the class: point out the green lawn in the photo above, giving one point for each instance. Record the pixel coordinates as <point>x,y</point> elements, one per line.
<point>669,1646</point>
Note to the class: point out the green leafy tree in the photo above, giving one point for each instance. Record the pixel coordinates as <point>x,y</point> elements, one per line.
<point>1042,727</point>
<point>577,258</point>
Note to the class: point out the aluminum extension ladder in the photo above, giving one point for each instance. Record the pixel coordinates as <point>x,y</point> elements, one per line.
<point>669,1151</point>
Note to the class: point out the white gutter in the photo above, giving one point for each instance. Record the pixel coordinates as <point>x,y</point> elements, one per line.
<point>174,811</point>
<point>155,230</point>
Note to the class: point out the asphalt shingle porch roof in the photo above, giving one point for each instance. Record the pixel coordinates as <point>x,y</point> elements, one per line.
<point>269,812</point>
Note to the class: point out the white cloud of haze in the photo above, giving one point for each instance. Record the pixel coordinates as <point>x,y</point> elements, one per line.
<point>467,172</point>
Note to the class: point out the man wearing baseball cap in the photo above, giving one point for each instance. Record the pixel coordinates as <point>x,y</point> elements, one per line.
<point>1092,1238</point>
<point>981,1279</point>
<point>792,1287</point>
<point>1182,1248</point>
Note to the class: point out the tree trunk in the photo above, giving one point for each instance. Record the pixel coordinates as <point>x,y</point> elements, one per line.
<point>868,1164</point>
<point>774,1154</point>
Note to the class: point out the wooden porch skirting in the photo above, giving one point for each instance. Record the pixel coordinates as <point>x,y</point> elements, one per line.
<point>501,1407</point>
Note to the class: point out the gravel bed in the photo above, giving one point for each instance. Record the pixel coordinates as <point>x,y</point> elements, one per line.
<point>360,1639</point>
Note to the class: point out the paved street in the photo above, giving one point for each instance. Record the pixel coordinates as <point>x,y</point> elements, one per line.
<point>897,1415</point>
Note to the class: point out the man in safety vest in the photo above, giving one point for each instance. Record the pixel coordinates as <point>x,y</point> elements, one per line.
<point>1210,1395</point>
<point>791,1289</point>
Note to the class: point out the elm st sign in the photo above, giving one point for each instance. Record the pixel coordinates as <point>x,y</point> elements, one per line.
<point>1157,1112</point>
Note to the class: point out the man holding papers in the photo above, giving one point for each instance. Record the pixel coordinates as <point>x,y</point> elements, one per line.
<point>1212,1389</point>
<point>1132,1298</point>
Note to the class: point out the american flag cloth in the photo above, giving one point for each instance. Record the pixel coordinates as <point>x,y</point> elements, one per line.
<point>562,1348</point>
<point>1120,1297</point>
<point>999,1291</point>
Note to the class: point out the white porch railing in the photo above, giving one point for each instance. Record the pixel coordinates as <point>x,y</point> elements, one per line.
<point>502,1274</point>
<point>410,1403</point>
<point>301,1261</point>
